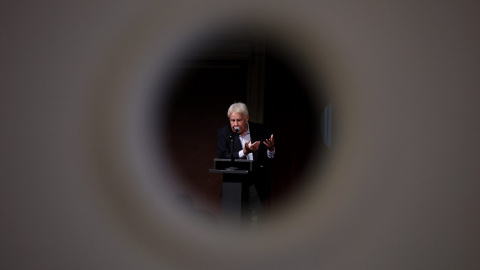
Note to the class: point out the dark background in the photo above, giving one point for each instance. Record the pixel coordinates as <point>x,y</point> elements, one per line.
<point>272,83</point>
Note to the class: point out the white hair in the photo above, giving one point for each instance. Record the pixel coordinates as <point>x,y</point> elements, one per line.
<point>237,107</point>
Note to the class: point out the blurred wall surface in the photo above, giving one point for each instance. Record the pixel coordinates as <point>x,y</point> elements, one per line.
<point>84,186</point>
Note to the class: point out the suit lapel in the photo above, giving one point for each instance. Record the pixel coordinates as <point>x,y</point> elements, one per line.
<point>237,145</point>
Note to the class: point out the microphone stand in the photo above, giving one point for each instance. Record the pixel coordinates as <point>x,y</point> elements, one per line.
<point>232,160</point>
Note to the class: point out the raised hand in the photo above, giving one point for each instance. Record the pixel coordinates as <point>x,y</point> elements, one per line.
<point>247,149</point>
<point>270,143</point>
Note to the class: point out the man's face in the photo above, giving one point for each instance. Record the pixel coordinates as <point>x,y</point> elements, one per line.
<point>239,120</point>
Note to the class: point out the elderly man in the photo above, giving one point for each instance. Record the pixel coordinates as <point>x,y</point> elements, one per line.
<point>252,142</point>
<point>249,137</point>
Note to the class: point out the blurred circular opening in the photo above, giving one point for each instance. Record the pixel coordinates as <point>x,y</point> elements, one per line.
<point>263,70</point>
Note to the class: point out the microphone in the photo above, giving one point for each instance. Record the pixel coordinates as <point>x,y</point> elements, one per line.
<point>232,159</point>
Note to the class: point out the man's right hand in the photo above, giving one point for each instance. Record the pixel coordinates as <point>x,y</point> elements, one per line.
<point>247,149</point>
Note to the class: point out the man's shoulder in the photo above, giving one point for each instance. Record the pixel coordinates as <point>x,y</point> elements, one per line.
<point>256,126</point>
<point>258,130</point>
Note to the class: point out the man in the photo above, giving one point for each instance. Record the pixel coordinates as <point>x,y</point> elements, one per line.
<point>252,142</point>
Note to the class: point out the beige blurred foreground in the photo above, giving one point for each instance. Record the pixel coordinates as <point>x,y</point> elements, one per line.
<point>81,187</point>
